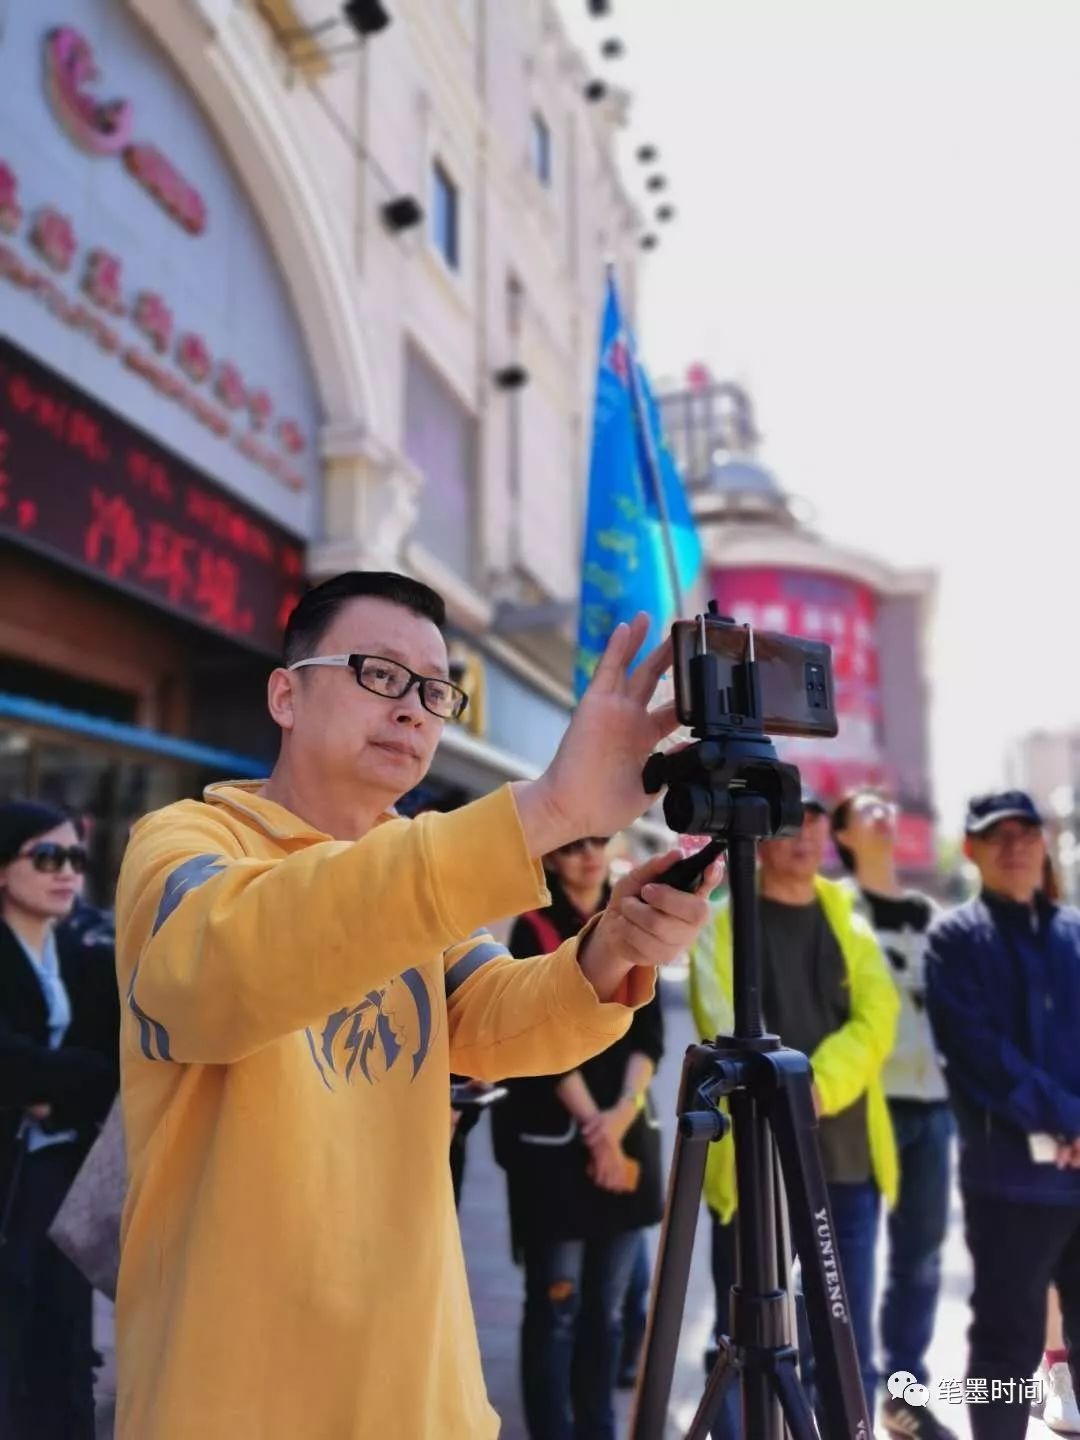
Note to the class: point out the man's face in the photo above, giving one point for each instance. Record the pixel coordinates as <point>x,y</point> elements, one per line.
<point>345,734</point>
<point>1010,858</point>
<point>797,857</point>
<point>870,831</point>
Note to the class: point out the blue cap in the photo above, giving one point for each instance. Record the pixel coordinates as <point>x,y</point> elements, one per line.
<point>985,811</point>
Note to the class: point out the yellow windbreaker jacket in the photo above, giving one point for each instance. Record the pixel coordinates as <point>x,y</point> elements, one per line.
<point>845,1064</point>
<point>291,1266</point>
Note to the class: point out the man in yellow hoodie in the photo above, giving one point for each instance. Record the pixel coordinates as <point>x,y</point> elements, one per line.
<point>302,971</point>
<point>825,990</point>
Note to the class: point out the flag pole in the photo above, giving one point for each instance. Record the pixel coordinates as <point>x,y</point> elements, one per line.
<point>652,460</point>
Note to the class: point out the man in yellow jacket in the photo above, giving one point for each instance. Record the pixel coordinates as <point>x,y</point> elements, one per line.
<point>302,971</point>
<point>826,990</point>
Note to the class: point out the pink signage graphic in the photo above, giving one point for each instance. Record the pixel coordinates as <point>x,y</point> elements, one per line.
<point>11,214</point>
<point>52,235</point>
<point>103,280</point>
<point>105,127</point>
<point>101,127</point>
<point>154,319</point>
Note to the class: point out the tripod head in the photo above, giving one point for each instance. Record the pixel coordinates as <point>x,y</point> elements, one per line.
<point>733,761</point>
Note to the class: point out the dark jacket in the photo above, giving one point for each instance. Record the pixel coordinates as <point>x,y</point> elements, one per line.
<point>537,1139</point>
<point>1003,994</point>
<point>80,1079</point>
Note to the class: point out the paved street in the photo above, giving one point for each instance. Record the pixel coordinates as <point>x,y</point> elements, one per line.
<point>497,1289</point>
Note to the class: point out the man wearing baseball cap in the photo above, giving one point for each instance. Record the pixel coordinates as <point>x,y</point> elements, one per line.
<point>825,990</point>
<point>1003,993</point>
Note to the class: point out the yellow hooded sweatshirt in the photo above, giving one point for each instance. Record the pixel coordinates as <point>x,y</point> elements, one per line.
<point>291,1267</point>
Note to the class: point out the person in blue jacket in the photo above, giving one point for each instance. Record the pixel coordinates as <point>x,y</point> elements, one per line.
<point>1003,993</point>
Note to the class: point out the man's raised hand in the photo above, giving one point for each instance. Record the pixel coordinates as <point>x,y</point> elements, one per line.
<point>593,785</point>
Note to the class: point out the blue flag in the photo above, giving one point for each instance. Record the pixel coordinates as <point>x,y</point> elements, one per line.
<point>625,566</point>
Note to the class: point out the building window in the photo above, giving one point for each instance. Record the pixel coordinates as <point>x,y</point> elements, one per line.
<point>441,441</point>
<point>444,215</point>
<point>541,148</point>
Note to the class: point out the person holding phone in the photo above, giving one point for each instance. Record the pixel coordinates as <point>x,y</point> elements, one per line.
<point>468,1101</point>
<point>582,1156</point>
<point>303,969</point>
<point>1003,994</point>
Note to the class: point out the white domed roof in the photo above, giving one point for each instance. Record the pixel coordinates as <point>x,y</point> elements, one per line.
<point>741,476</point>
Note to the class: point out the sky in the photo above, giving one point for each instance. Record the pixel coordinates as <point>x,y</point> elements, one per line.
<point>878,232</point>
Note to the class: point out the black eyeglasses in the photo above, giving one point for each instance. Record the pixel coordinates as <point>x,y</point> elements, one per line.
<point>49,858</point>
<point>575,847</point>
<point>393,681</point>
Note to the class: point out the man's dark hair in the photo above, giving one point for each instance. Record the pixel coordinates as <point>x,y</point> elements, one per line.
<point>315,613</point>
<point>840,819</point>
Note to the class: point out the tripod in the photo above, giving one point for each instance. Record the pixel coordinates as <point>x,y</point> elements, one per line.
<point>732,786</point>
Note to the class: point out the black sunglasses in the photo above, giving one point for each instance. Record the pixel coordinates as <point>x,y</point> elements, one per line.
<point>48,858</point>
<point>575,847</point>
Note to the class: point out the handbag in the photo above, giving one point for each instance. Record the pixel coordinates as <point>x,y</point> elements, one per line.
<point>87,1225</point>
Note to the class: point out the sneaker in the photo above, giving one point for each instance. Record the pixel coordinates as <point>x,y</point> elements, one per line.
<point>903,1421</point>
<point>1060,1413</point>
<point>1038,1400</point>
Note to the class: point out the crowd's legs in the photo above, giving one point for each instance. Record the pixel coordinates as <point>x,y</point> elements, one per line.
<point>917,1228</point>
<point>46,1376</point>
<point>571,1335</point>
<point>1017,1249</point>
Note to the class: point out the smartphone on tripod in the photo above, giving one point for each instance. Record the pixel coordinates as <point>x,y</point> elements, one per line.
<point>794,674</point>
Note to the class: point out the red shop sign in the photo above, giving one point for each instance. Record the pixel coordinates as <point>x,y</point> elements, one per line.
<point>81,484</point>
<point>915,848</point>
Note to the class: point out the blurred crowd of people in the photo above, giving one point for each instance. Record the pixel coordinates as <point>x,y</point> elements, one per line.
<point>920,1025</point>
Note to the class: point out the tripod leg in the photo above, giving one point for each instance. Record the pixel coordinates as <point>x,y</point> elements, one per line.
<point>649,1420</point>
<point>723,1374</point>
<point>798,1414</point>
<point>791,1110</point>
<point>785,1263</point>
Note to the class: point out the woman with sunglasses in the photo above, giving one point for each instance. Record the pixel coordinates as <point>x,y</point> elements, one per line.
<point>582,1155</point>
<point>59,1069</point>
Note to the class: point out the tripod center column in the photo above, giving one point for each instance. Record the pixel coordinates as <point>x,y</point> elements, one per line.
<point>750,821</point>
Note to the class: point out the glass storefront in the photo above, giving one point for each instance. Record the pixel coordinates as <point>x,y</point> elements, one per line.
<point>109,791</point>
<point>109,786</point>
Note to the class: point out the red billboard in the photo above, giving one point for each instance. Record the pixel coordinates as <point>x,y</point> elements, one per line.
<point>843,613</point>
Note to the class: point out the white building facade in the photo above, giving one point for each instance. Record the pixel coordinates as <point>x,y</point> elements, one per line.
<point>308,304</point>
<point>455,358</point>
